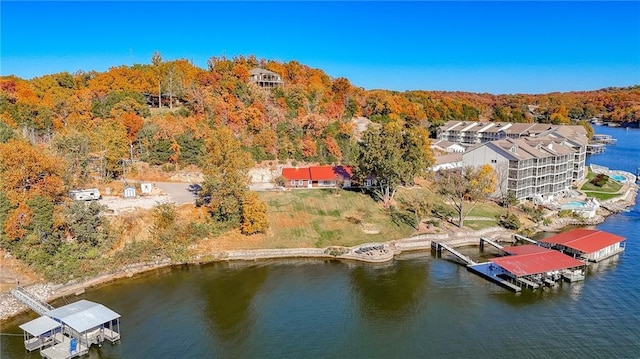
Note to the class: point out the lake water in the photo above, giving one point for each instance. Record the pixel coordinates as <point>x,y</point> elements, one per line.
<point>417,306</point>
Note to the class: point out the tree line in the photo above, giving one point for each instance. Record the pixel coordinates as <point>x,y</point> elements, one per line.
<point>63,131</point>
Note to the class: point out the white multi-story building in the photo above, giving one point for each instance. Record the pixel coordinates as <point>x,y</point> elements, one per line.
<point>527,167</point>
<point>541,153</point>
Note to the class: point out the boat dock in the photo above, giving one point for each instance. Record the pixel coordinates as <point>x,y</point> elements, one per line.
<point>69,331</point>
<point>490,272</point>
<point>604,139</point>
<point>537,264</point>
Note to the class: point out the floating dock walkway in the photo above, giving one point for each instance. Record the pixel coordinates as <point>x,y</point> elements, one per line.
<point>518,237</point>
<point>28,299</point>
<point>487,240</point>
<point>438,247</point>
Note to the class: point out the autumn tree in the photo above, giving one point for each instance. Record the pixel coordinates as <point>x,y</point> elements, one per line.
<point>74,147</point>
<point>27,171</point>
<point>156,61</point>
<point>110,141</point>
<point>393,156</point>
<point>419,203</point>
<point>469,185</point>
<point>85,223</point>
<point>6,133</point>
<point>226,178</point>
<point>254,215</point>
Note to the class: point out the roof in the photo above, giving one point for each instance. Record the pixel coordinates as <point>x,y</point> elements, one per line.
<point>83,315</point>
<point>329,173</point>
<point>317,173</point>
<point>258,71</point>
<point>538,262</point>
<point>296,173</point>
<point>584,240</point>
<point>450,158</point>
<point>40,326</point>
<point>524,249</point>
<point>540,147</point>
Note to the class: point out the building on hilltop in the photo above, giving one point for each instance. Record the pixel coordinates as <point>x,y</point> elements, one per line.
<point>265,78</point>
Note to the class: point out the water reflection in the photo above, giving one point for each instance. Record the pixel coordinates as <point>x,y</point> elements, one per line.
<point>228,293</point>
<point>390,291</point>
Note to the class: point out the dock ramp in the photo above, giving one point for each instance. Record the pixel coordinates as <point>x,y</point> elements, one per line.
<point>440,246</point>
<point>31,301</point>
<point>489,241</point>
<point>518,237</point>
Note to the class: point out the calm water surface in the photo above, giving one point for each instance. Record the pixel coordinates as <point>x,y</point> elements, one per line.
<point>417,306</point>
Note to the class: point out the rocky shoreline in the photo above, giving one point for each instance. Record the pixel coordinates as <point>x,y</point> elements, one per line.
<point>370,252</point>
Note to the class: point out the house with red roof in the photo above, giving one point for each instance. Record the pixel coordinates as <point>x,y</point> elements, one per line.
<point>317,176</point>
<point>297,177</point>
<point>586,244</point>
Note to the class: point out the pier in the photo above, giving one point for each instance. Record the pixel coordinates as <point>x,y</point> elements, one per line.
<point>604,139</point>
<point>542,263</point>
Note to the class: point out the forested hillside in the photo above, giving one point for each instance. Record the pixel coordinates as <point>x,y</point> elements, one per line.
<point>64,131</point>
<point>91,115</point>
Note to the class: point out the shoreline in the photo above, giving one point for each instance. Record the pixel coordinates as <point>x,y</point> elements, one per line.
<point>11,307</point>
<point>374,252</point>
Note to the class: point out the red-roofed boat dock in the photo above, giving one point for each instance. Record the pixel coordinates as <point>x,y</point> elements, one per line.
<point>562,256</point>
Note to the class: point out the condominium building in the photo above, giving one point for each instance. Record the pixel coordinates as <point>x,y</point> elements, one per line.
<point>573,137</point>
<point>527,167</point>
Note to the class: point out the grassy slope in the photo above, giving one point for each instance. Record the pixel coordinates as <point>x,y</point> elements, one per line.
<point>608,191</point>
<point>320,218</point>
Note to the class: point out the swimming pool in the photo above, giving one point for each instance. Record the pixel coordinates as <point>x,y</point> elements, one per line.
<point>619,178</point>
<point>574,205</point>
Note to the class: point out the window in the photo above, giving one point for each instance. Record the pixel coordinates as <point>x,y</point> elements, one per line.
<point>301,183</point>
<point>293,182</point>
<point>494,161</point>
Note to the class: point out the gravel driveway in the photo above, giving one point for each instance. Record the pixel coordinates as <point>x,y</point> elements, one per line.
<point>178,192</point>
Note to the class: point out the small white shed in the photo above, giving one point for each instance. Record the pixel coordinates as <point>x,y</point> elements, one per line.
<point>146,187</point>
<point>129,192</point>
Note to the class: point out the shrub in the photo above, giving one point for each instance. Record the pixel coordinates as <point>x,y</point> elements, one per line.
<point>565,213</point>
<point>535,213</point>
<point>510,221</point>
<point>600,180</point>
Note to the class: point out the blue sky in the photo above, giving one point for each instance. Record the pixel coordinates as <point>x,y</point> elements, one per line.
<point>495,47</point>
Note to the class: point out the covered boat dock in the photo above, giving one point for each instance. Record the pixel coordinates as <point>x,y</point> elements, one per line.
<point>39,333</point>
<point>586,244</point>
<point>69,331</point>
<point>530,266</point>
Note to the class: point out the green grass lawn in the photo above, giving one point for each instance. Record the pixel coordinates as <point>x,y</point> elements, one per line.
<point>487,209</point>
<point>602,196</point>
<point>320,218</point>
<point>610,187</point>
<point>477,225</point>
